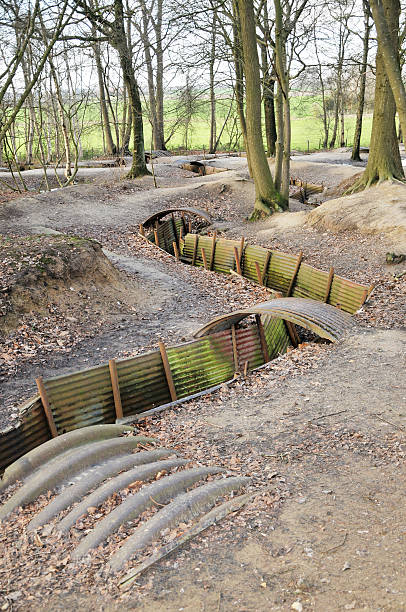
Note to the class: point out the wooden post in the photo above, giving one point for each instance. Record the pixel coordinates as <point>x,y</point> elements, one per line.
<point>175,249</point>
<point>296,270</point>
<point>168,372</point>
<point>259,275</point>
<point>204,258</point>
<point>175,230</point>
<point>293,335</point>
<point>156,237</point>
<point>237,261</point>
<point>142,232</point>
<point>184,223</point>
<point>235,351</point>
<point>190,227</point>
<point>266,264</point>
<point>47,408</point>
<point>241,249</point>
<point>246,368</point>
<point>116,388</point>
<point>329,283</point>
<point>195,250</point>
<point>213,250</point>
<point>262,338</point>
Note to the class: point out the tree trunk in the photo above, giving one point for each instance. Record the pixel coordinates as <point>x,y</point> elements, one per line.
<point>159,94</point>
<point>239,77</point>
<point>119,42</point>
<point>110,147</point>
<point>280,57</point>
<point>384,161</point>
<point>213,130</point>
<point>268,88</point>
<point>355,156</point>
<point>279,138</point>
<point>267,199</point>
<point>386,16</point>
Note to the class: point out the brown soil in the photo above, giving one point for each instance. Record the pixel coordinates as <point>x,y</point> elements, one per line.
<point>63,271</point>
<point>320,430</point>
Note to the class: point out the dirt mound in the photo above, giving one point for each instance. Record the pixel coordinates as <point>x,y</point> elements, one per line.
<point>44,273</point>
<point>378,210</point>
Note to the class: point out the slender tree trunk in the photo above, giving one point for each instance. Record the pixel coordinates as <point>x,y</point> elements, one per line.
<point>119,41</point>
<point>239,78</point>
<point>213,130</point>
<point>280,57</point>
<point>267,198</point>
<point>279,138</point>
<point>268,88</point>
<point>323,95</point>
<point>110,147</point>
<point>160,133</point>
<point>355,155</point>
<point>150,72</point>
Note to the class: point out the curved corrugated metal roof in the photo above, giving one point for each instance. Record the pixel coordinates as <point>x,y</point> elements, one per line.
<point>327,321</point>
<point>190,211</point>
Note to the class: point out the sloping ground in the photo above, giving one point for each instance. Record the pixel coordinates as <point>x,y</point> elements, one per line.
<point>380,209</point>
<point>64,271</point>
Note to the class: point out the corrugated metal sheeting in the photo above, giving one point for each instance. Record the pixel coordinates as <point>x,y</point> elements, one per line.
<point>278,271</point>
<point>86,397</point>
<point>31,431</point>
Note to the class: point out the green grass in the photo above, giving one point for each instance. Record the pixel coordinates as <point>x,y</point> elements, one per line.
<point>307,128</point>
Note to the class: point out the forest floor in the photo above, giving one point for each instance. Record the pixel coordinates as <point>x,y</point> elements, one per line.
<point>321,429</point>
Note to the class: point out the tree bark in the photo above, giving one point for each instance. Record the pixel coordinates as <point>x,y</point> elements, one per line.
<point>384,161</point>
<point>267,198</point>
<point>110,147</point>
<point>386,16</point>
<point>280,57</point>
<point>355,155</point>
<point>120,43</point>
<point>213,130</point>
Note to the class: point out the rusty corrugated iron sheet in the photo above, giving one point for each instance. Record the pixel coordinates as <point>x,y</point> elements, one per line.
<point>31,431</point>
<point>187,210</point>
<point>81,399</point>
<point>309,282</point>
<point>325,320</point>
<point>198,365</point>
<point>142,383</point>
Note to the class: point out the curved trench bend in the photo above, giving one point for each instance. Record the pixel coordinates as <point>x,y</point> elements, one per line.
<point>184,508</point>
<point>92,478</point>
<point>159,492</point>
<point>66,466</point>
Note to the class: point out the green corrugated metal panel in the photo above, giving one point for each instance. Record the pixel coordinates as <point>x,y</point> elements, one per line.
<point>276,335</point>
<point>347,295</point>
<point>31,432</point>
<point>81,399</point>
<point>189,244</point>
<point>249,347</point>
<point>142,383</point>
<point>205,242</point>
<point>310,283</point>
<point>252,254</point>
<point>201,364</point>
<point>280,271</point>
<point>224,259</point>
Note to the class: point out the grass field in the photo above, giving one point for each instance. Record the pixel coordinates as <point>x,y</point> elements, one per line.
<point>307,128</point>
